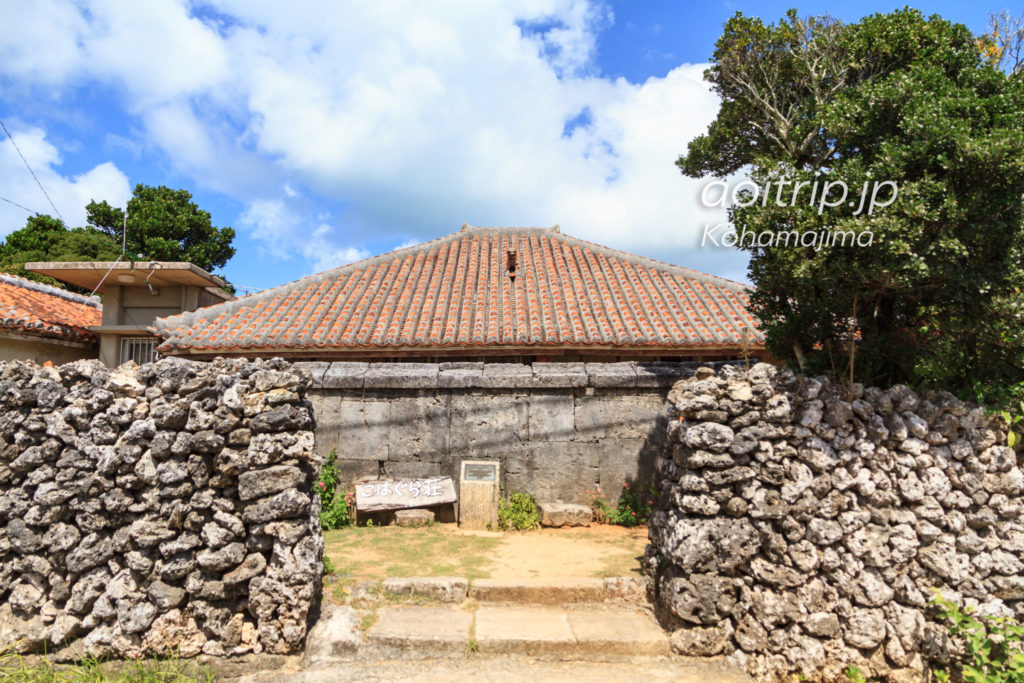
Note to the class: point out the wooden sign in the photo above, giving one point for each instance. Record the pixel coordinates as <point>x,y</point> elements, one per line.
<point>396,494</point>
<point>478,494</point>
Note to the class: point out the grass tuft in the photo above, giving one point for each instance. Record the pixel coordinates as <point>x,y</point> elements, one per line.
<point>367,621</point>
<point>15,668</point>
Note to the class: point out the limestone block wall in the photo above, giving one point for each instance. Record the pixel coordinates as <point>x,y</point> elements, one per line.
<point>167,508</point>
<point>803,530</point>
<point>558,429</point>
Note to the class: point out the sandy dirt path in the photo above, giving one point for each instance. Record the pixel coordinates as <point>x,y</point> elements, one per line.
<point>593,551</point>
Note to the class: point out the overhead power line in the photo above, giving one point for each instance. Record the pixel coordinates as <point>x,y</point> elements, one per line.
<point>5,199</point>
<point>18,150</point>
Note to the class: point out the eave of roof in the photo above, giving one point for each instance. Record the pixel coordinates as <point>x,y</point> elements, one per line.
<point>37,309</point>
<point>93,274</point>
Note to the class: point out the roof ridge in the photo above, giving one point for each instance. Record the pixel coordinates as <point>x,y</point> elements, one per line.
<point>507,229</point>
<point>44,288</point>
<point>555,232</point>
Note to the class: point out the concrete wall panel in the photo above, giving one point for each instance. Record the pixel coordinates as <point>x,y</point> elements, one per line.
<point>558,429</point>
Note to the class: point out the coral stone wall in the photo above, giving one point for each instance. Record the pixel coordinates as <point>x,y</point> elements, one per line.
<point>167,508</point>
<point>802,532</point>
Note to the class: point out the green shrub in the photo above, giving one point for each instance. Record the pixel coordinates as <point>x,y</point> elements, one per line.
<point>854,675</point>
<point>327,482</point>
<point>335,511</point>
<point>329,567</point>
<point>339,512</point>
<point>993,645</point>
<point>634,506</point>
<point>518,512</point>
<point>999,394</point>
<point>603,511</point>
<point>1015,425</point>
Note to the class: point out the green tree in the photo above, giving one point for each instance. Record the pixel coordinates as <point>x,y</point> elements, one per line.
<point>936,299</point>
<point>46,239</point>
<point>165,225</point>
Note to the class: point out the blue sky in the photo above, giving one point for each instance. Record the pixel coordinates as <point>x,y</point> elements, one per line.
<point>327,132</point>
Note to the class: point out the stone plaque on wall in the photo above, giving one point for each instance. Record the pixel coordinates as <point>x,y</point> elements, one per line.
<point>395,494</point>
<point>478,471</point>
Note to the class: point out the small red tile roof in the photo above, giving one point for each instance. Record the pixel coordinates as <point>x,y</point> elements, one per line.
<point>30,307</point>
<point>457,292</point>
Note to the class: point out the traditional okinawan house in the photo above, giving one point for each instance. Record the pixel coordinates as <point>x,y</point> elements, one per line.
<point>135,293</point>
<point>545,356</point>
<point>485,294</point>
<point>43,323</point>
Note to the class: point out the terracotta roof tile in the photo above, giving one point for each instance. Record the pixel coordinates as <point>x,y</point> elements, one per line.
<point>31,307</point>
<point>456,292</point>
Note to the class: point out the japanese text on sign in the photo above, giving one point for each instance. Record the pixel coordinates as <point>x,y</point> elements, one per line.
<point>393,494</point>
<point>414,488</point>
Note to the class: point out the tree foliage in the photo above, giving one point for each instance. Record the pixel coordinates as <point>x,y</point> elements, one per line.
<point>165,225</point>
<point>936,299</point>
<point>46,239</point>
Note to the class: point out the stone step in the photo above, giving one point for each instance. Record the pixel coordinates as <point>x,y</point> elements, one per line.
<point>558,591</point>
<point>567,633</point>
<point>419,631</point>
<point>505,668</point>
<point>422,632</point>
<point>484,641</point>
<point>622,590</point>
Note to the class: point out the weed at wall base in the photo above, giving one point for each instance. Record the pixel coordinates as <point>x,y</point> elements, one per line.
<point>170,669</point>
<point>633,509</point>
<point>518,512</point>
<point>335,511</point>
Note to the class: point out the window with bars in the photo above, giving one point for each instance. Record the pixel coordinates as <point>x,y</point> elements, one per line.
<point>139,349</point>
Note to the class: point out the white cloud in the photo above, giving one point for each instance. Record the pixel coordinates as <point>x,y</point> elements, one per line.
<point>570,41</point>
<point>415,116</point>
<point>32,25</point>
<point>322,251</point>
<point>270,221</point>
<point>154,51</point>
<point>285,230</point>
<point>69,194</point>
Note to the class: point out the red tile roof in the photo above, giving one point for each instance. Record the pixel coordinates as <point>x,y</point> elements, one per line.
<point>457,292</point>
<point>34,308</point>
